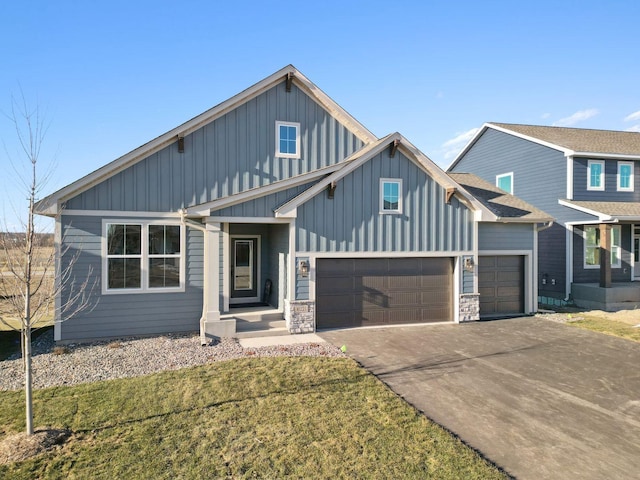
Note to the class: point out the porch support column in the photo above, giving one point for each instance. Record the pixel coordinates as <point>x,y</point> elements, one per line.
<point>605,255</point>
<point>211,325</point>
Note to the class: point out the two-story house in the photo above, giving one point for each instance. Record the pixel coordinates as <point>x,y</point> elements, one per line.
<point>589,181</point>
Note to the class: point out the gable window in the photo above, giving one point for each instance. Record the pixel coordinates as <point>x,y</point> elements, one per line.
<point>625,176</point>
<point>143,257</point>
<point>505,182</point>
<point>592,246</point>
<point>390,195</point>
<point>595,175</point>
<point>287,140</point>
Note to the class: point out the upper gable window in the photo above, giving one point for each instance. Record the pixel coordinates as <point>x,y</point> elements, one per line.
<point>287,140</point>
<point>625,176</point>
<point>595,175</point>
<point>390,195</point>
<point>505,182</point>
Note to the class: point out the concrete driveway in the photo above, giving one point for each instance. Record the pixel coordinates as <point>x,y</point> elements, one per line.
<point>539,399</point>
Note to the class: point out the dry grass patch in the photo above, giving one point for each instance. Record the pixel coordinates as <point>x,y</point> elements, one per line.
<point>279,417</point>
<point>20,446</point>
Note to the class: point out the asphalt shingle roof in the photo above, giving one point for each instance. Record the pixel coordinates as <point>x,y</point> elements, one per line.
<point>581,139</point>
<point>502,204</point>
<point>611,209</point>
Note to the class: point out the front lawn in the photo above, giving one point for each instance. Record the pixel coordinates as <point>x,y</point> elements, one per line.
<point>610,327</point>
<point>250,418</point>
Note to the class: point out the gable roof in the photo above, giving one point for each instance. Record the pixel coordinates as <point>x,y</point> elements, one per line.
<point>368,152</point>
<point>570,141</point>
<point>50,204</point>
<point>606,211</point>
<point>506,207</point>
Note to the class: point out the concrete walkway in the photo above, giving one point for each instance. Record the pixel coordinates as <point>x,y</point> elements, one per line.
<point>540,399</point>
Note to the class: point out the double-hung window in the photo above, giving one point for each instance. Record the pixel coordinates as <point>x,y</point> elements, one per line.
<point>142,257</point>
<point>625,176</point>
<point>390,195</point>
<point>505,182</point>
<point>595,175</point>
<point>592,246</point>
<point>287,140</point>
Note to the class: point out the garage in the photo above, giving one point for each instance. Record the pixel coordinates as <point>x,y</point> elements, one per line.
<point>356,292</point>
<point>501,285</point>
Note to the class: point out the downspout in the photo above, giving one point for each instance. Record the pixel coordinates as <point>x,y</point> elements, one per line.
<point>187,222</point>
<point>537,228</point>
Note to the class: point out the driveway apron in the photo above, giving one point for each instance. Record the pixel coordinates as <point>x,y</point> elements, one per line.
<point>538,398</point>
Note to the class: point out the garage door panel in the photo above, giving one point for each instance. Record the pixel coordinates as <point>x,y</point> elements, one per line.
<point>385,291</point>
<point>501,285</point>
<point>336,285</point>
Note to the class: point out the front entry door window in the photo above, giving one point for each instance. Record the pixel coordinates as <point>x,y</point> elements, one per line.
<point>244,269</point>
<point>636,252</point>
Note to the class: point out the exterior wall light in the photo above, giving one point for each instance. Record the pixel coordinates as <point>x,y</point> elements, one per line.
<point>303,268</point>
<point>469,264</point>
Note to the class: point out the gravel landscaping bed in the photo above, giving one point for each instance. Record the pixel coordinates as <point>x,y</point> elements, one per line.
<point>81,363</point>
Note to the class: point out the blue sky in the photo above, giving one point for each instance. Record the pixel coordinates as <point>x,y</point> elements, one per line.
<point>112,75</point>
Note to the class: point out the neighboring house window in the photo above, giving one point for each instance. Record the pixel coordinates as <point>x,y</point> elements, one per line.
<point>143,257</point>
<point>625,176</point>
<point>390,195</point>
<point>505,182</point>
<point>592,246</point>
<point>287,140</point>
<point>595,175</point>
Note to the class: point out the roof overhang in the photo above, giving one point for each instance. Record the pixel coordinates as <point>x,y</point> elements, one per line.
<point>602,216</point>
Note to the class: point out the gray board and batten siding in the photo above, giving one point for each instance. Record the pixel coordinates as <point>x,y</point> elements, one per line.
<point>610,192</point>
<point>352,222</point>
<point>127,314</point>
<point>539,178</point>
<point>233,153</point>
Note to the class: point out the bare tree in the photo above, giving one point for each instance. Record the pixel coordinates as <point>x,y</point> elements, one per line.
<point>31,280</point>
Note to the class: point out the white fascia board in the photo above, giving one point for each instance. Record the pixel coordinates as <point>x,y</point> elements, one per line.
<point>614,156</point>
<point>569,176</point>
<point>601,216</point>
<point>566,151</point>
<point>197,122</point>
<point>204,209</point>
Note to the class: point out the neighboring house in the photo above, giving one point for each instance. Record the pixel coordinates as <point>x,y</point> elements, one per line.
<point>279,197</point>
<point>589,181</point>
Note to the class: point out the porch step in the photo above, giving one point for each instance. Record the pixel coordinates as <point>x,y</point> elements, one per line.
<point>252,322</point>
<point>270,332</point>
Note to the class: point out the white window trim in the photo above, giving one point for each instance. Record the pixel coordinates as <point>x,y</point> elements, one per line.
<point>287,155</point>
<point>630,187</point>
<point>602,176</point>
<point>618,264</point>
<point>504,175</point>
<point>381,190</point>
<point>144,257</point>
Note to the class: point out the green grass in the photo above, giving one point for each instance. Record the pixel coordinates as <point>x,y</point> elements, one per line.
<point>249,418</point>
<point>610,327</point>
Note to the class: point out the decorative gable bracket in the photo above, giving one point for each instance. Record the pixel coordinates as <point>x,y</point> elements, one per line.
<point>331,190</point>
<point>289,81</point>
<point>450,193</point>
<point>394,147</point>
<point>180,143</point>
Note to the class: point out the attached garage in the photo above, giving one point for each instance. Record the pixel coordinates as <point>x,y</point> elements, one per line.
<point>501,285</point>
<point>355,292</point>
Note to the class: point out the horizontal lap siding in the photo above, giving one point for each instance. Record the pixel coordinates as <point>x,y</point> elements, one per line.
<point>351,221</point>
<point>127,314</point>
<point>610,193</point>
<point>505,236</point>
<point>234,153</point>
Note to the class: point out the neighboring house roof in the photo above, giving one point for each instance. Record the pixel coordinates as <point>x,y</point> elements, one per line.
<point>570,141</point>
<point>506,207</point>
<point>606,211</point>
<point>50,204</point>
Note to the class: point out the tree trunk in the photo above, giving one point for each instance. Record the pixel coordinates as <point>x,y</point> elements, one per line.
<point>28,381</point>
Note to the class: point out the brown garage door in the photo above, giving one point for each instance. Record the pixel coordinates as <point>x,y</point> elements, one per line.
<point>501,285</point>
<point>352,292</point>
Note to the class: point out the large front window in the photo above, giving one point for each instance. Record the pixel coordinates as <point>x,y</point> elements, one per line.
<point>143,257</point>
<point>592,246</point>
